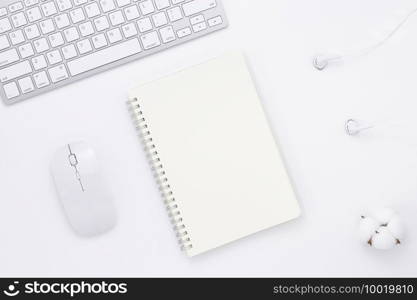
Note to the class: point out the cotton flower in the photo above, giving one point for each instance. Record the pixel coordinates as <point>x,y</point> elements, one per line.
<point>381,229</point>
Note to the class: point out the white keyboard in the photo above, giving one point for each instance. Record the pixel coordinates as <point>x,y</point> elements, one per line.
<point>45,44</point>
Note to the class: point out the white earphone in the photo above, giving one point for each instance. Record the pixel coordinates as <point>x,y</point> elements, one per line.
<point>321,61</point>
<point>354,127</point>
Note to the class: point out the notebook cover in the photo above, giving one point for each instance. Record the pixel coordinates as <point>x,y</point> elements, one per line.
<point>220,161</point>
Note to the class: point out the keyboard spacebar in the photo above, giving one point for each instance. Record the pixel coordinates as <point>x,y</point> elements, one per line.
<point>104,57</point>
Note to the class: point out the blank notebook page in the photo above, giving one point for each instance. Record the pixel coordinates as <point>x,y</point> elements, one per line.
<point>219,155</point>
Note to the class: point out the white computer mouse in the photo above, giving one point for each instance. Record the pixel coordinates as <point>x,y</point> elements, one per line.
<point>86,198</point>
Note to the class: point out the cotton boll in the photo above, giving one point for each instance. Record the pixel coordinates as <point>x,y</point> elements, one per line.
<point>395,226</point>
<point>383,239</point>
<point>382,229</point>
<point>367,228</point>
<point>383,215</point>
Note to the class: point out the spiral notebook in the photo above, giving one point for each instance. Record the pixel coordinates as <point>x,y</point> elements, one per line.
<point>214,156</point>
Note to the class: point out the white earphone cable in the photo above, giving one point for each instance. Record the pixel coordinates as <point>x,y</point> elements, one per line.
<point>321,61</point>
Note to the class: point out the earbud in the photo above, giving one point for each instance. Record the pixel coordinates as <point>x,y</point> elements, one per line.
<point>321,61</point>
<point>354,127</point>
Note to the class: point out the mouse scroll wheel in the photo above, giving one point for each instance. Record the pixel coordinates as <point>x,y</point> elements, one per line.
<point>73,160</point>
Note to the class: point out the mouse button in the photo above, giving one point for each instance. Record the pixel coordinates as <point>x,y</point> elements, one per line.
<point>59,163</point>
<point>80,148</point>
<point>87,163</point>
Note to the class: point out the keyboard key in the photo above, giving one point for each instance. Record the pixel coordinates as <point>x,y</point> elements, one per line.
<point>161,4</point>
<point>122,3</point>
<point>200,27</point>
<point>8,57</point>
<point>116,18</point>
<point>39,62</point>
<point>47,26</point>
<point>54,57</point>
<point>26,85</point>
<point>41,79</point>
<point>29,3</point>
<point>3,11</point>
<point>145,25</point>
<point>92,10</point>
<point>104,57</point>
<point>129,30</point>
<point>16,6</point>
<point>86,28</point>
<point>4,42</point>
<point>84,46</point>
<point>114,35</point>
<point>49,9</point>
<point>56,39</point>
<point>174,14</point>
<point>69,51</point>
<point>197,19</point>
<point>26,50</point>
<point>71,34</point>
<point>150,40</point>
<point>62,21</point>
<point>5,25</point>
<point>64,5</point>
<point>101,23</point>
<point>58,73</point>
<point>19,19</point>
<point>32,32</point>
<point>41,45</point>
<point>184,32</point>
<point>215,21</point>
<point>167,34</point>
<point>14,71</point>
<point>131,12</point>
<point>34,14</point>
<point>107,5</point>
<point>160,19</point>
<point>197,6</point>
<point>146,7</point>
<point>80,2</point>
<point>99,41</point>
<point>16,37</point>
<point>11,90</point>
<point>77,15</point>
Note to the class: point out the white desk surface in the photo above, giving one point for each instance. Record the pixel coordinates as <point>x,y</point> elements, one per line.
<point>336,177</point>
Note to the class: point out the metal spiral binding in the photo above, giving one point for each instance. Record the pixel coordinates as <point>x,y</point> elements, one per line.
<point>160,175</point>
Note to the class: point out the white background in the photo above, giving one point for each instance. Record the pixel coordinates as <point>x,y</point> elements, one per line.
<point>337,177</point>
